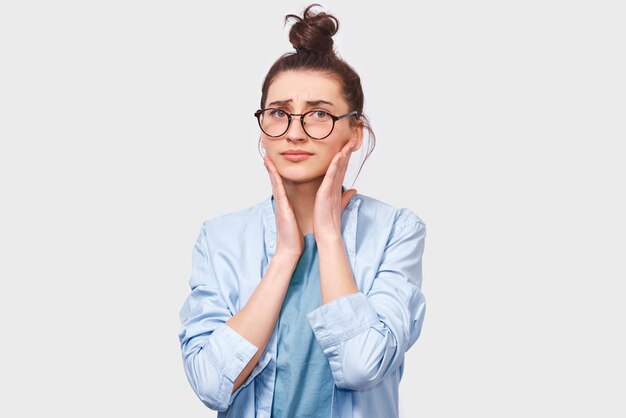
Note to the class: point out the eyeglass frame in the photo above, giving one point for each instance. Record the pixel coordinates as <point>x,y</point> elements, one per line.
<point>258,113</point>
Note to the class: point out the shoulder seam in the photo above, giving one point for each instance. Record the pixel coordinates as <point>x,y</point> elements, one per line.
<point>409,219</point>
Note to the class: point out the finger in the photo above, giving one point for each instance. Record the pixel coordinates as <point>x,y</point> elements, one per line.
<point>268,166</point>
<point>346,151</point>
<point>344,161</point>
<point>338,166</point>
<point>335,163</point>
<point>331,173</point>
<point>277,183</point>
<point>345,198</point>
<point>348,147</point>
<point>271,170</point>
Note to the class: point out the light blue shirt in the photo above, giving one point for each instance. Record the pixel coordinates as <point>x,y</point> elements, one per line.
<point>364,335</point>
<point>304,382</point>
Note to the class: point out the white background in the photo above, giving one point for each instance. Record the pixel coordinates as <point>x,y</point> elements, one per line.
<point>125,124</point>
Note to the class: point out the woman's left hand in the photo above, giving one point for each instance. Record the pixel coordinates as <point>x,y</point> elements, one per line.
<point>329,201</point>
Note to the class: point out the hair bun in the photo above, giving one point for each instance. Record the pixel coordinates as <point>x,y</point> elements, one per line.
<point>313,31</point>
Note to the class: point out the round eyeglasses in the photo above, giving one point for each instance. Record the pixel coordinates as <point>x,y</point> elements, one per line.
<point>318,124</point>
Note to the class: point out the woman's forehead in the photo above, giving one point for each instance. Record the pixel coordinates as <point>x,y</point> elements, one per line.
<point>298,87</point>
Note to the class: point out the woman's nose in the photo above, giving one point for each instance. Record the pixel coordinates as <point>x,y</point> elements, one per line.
<point>295,131</point>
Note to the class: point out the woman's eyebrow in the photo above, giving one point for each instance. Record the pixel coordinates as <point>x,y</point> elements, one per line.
<point>308,103</point>
<point>280,103</point>
<point>318,102</point>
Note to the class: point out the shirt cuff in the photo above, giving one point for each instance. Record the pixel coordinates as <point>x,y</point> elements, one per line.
<point>341,319</point>
<point>232,352</point>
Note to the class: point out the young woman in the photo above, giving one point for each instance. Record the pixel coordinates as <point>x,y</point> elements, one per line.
<point>304,304</point>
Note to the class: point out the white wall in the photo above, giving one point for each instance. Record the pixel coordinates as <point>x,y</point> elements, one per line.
<point>125,124</point>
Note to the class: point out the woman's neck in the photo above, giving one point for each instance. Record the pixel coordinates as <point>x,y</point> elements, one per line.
<point>302,199</point>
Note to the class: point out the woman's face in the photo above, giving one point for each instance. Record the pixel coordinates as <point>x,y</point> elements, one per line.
<point>299,92</point>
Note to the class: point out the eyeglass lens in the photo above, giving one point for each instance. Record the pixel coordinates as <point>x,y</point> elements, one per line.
<point>317,124</point>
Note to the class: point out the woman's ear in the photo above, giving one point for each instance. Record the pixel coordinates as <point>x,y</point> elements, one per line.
<point>358,135</point>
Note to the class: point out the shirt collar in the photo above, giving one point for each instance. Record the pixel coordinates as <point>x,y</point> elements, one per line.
<point>348,225</point>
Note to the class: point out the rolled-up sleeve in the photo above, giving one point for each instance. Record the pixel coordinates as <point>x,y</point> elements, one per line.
<point>365,336</point>
<point>213,353</point>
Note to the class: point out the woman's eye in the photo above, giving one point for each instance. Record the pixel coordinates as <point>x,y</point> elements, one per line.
<point>320,114</point>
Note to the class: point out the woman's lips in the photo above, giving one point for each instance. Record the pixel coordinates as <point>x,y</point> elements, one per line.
<point>296,157</point>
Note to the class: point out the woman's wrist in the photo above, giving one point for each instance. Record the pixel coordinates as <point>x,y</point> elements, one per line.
<point>328,239</point>
<point>286,257</point>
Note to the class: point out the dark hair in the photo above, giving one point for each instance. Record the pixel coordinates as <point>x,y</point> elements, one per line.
<point>312,37</point>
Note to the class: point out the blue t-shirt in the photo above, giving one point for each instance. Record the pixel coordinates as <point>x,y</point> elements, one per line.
<point>304,383</point>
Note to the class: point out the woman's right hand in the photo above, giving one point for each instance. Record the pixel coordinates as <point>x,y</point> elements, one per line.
<point>289,238</point>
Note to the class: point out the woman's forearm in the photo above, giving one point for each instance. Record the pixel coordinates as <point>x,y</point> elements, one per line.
<point>336,277</point>
<point>256,320</point>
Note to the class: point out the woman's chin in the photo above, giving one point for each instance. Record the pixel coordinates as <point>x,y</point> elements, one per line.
<point>298,175</point>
